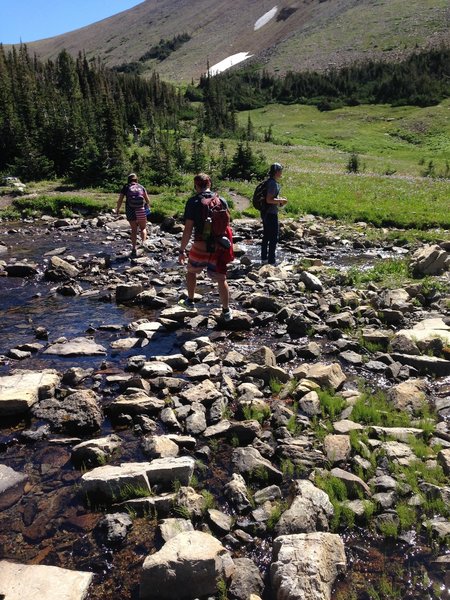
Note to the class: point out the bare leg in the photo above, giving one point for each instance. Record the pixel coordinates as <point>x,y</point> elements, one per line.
<point>191,283</point>
<point>143,228</point>
<point>133,225</point>
<point>224,293</point>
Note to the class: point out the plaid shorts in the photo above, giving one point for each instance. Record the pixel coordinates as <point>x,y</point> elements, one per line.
<point>200,259</point>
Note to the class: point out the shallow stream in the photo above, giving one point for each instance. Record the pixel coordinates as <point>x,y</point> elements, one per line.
<point>52,524</point>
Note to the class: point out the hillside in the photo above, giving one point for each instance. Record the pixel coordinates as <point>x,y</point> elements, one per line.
<point>294,34</point>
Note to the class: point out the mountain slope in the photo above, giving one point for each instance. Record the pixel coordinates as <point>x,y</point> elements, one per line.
<point>301,34</point>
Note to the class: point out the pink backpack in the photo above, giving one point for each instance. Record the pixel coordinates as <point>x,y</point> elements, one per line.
<point>135,195</point>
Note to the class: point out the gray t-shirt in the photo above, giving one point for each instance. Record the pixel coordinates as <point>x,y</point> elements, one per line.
<point>273,189</point>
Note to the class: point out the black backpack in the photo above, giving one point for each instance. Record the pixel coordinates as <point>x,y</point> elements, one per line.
<point>259,196</point>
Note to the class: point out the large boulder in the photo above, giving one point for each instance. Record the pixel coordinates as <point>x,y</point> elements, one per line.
<point>18,392</point>
<point>427,330</point>
<point>113,483</point>
<point>41,582</point>
<point>409,395</point>
<point>246,580</point>
<point>189,565</point>
<point>306,565</point>
<point>309,511</point>
<point>430,260</point>
<point>76,413</point>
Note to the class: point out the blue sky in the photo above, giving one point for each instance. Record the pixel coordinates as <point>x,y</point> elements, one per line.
<point>31,20</point>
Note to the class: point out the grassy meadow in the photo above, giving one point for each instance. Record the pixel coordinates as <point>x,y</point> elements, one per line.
<point>396,147</point>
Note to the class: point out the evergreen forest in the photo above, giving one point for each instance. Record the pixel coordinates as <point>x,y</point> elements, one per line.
<point>74,118</point>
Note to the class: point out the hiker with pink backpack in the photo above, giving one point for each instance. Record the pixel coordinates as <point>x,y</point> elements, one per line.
<point>137,209</point>
<point>207,217</point>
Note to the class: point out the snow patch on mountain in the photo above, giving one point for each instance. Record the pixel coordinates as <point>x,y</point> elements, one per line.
<point>226,63</point>
<point>265,18</point>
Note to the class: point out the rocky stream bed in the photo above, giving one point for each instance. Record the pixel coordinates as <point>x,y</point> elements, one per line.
<point>300,451</point>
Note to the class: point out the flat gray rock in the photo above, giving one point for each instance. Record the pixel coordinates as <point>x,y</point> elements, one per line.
<point>76,347</point>
<point>11,486</point>
<point>18,392</point>
<point>306,565</point>
<point>41,582</point>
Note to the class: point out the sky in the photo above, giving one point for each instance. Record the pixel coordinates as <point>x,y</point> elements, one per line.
<point>31,20</point>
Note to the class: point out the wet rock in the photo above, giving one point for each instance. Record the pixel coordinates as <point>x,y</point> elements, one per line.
<point>306,565</point>
<point>169,528</point>
<point>17,354</point>
<point>128,291</point>
<point>124,344</point>
<point>266,304</point>
<point>76,375</point>
<point>135,402</point>
<point>246,581</point>
<point>22,269</point>
<point>80,346</point>
<point>60,270</point>
<point>20,391</point>
<point>11,486</point>
<point>205,392</point>
<point>29,581</point>
<point>192,561</point>
<point>78,412</point>
<point>41,333</point>
<point>96,452</point>
<point>263,356</point>
<point>248,461</point>
<point>69,289</point>
<point>155,368</point>
<point>114,528</point>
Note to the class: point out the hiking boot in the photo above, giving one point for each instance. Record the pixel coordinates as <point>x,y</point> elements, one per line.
<point>227,315</point>
<point>133,253</point>
<point>188,303</point>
